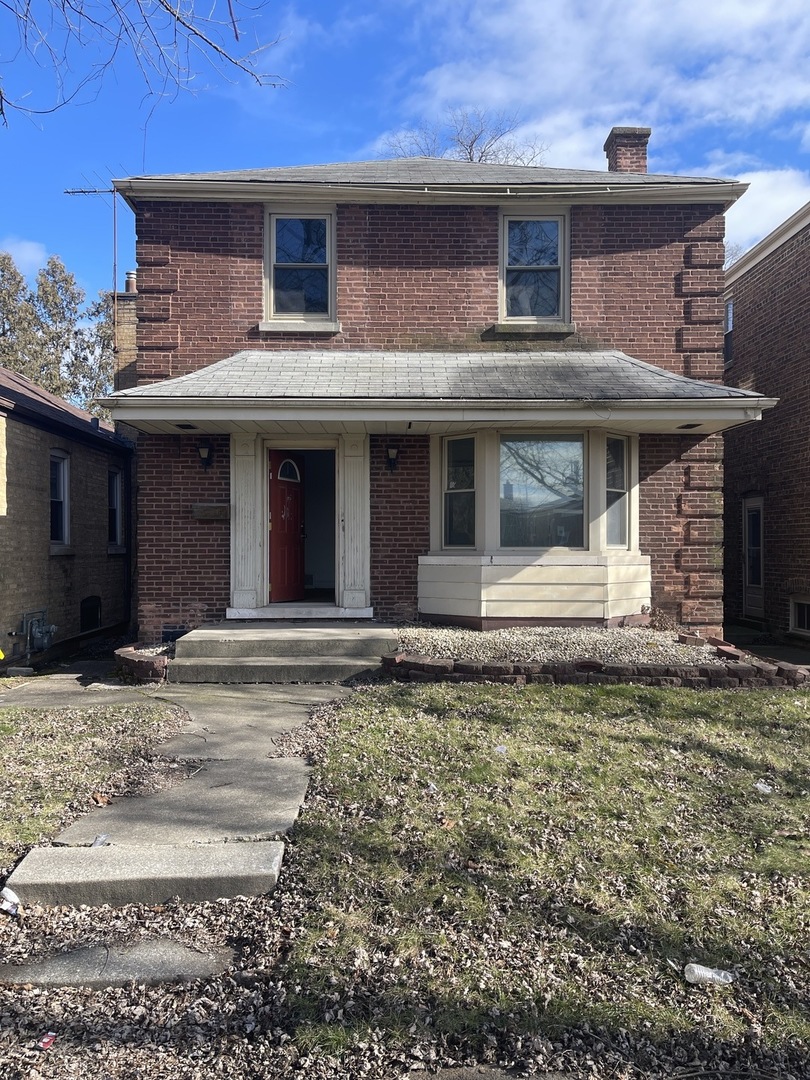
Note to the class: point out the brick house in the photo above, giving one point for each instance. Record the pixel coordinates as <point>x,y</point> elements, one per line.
<point>64,548</point>
<point>767,558</point>
<point>481,394</point>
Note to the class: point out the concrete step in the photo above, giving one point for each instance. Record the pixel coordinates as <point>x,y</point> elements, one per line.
<point>146,874</point>
<point>297,641</point>
<point>258,669</point>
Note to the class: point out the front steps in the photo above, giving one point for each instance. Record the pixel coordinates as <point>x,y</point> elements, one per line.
<point>264,652</point>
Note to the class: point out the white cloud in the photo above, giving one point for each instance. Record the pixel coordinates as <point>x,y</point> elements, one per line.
<point>28,255</point>
<point>772,197</point>
<point>682,65</point>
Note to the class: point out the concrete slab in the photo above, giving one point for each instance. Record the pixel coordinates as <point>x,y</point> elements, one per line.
<point>146,874</point>
<point>238,721</point>
<point>299,639</point>
<point>225,800</point>
<point>156,960</point>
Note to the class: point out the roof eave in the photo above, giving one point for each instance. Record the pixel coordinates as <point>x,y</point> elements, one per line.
<point>724,192</point>
<point>664,415</point>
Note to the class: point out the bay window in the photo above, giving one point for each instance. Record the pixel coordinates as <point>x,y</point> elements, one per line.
<point>542,491</point>
<point>616,491</point>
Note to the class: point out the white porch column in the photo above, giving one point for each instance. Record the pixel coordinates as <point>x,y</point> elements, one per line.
<point>247,547</point>
<point>353,526</point>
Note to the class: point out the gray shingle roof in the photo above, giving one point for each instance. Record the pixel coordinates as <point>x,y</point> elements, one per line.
<point>294,375</point>
<point>426,171</point>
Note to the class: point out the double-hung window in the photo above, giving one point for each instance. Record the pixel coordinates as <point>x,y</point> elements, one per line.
<point>115,517</point>
<point>533,269</point>
<point>616,491</point>
<point>459,493</point>
<point>60,497</point>
<point>300,268</point>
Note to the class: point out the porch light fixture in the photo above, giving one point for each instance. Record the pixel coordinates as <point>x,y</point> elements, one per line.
<point>393,454</point>
<point>206,453</point>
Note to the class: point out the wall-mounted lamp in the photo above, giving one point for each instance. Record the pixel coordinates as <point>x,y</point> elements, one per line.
<point>206,452</point>
<point>393,454</point>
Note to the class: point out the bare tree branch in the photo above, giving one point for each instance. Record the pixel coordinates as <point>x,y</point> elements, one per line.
<point>170,41</point>
<point>468,135</point>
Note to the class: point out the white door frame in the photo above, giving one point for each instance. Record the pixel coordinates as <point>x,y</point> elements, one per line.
<point>249,516</point>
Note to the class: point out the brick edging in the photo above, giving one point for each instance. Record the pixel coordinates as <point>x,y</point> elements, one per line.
<point>141,668</point>
<point>734,669</point>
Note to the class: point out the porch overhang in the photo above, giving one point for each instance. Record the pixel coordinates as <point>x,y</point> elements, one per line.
<point>353,392</point>
<point>224,416</point>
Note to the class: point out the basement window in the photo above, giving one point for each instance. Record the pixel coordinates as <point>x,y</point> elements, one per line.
<point>800,615</point>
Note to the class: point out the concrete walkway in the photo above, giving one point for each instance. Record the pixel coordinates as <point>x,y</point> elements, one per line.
<point>212,835</point>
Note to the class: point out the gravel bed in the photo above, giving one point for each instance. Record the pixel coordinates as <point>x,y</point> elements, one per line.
<point>549,643</point>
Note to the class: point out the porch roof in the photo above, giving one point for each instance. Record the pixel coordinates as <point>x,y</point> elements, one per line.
<point>344,388</point>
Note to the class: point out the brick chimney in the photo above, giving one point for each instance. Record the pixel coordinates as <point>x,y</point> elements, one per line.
<point>626,149</point>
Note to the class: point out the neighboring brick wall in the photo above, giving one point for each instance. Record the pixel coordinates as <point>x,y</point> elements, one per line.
<point>400,523</point>
<point>31,578</point>
<point>681,527</point>
<point>771,458</point>
<point>183,560</point>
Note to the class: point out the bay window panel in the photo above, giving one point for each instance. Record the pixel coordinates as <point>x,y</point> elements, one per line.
<point>616,494</point>
<point>459,493</point>
<point>542,491</point>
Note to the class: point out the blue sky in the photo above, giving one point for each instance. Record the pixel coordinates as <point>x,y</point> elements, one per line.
<point>725,86</point>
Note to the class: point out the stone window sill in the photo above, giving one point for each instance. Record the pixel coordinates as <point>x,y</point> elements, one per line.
<point>116,549</point>
<point>299,326</point>
<point>61,549</point>
<point>533,329</point>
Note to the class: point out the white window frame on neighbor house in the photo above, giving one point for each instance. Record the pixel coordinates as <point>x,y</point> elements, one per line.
<point>561,267</point>
<point>115,511</point>
<point>299,321</point>
<point>59,470</point>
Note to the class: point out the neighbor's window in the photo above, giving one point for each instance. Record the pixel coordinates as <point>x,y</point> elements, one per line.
<point>616,491</point>
<point>728,333</point>
<point>60,508</point>
<point>115,520</point>
<point>800,616</point>
<point>459,493</point>
<point>542,491</point>
<point>300,270</point>
<point>533,268</point>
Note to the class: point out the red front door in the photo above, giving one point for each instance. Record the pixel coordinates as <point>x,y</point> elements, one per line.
<point>286,527</point>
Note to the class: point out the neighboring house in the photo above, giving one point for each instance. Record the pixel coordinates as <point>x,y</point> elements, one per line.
<point>768,464</point>
<point>480,394</point>
<point>64,550</point>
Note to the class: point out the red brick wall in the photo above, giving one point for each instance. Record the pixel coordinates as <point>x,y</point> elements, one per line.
<point>647,280</point>
<point>400,522</point>
<point>771,458</point>
<point>681,528</point>
<point>183,562</point>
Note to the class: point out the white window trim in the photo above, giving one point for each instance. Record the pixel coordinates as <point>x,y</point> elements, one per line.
<point>304,322</point>
<point>64,473</point>
<point>562,318</point>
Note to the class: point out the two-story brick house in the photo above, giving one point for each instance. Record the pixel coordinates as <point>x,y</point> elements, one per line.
<point>483,394</point>
<point>768,470</point>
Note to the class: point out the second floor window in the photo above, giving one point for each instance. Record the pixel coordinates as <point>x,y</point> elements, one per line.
<point>300,269</point>
<point>533,279</point>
